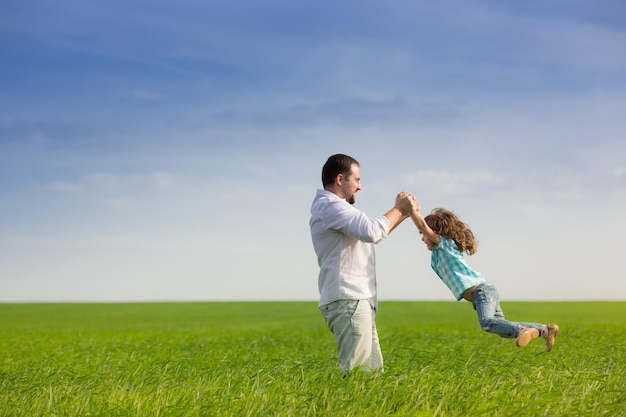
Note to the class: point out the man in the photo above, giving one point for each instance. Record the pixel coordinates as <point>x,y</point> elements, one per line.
<point>344,238</point>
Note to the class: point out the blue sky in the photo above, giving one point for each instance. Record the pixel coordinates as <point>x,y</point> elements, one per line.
<point>156,151</point>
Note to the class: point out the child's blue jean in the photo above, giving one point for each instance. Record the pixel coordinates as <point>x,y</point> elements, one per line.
<point>486,301</point>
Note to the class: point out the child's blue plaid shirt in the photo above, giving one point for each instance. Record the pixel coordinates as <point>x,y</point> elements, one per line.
<point>449,264</point>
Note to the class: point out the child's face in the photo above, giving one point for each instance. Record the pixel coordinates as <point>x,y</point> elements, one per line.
<point>429,243</point>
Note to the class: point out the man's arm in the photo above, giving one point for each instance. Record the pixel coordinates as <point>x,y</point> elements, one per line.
<point>395,217</point>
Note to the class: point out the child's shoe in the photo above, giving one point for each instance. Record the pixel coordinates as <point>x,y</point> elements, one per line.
<point>549,333</point>
<point>526,335</point>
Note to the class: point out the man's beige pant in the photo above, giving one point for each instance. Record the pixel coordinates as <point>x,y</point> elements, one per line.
<point>353,322</point>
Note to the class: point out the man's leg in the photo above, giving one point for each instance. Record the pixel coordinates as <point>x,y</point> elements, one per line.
<point>351,322</point>
<point>376,361</point>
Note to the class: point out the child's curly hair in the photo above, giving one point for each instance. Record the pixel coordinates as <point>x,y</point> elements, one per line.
<point>445,223</point>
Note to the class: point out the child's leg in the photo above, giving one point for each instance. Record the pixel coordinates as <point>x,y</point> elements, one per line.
<point>526,331</point>
<point>486,301</point>
<point>537,326</point>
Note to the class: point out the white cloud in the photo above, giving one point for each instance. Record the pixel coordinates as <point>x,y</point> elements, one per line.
<point>160,179</point>
<point>65,187</point>
<point>111,181</point>
<point>618,172</point>
<point>142,95</point>
<point>102,180</point>
<point>447,183</point>
<point>115,203</point>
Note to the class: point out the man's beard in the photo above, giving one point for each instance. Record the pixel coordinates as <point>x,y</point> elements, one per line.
<point>351,199</point>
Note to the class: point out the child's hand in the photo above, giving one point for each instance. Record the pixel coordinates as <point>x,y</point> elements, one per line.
<point>405,202</point>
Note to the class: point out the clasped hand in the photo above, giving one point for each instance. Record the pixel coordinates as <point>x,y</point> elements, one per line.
<point>406,203</point>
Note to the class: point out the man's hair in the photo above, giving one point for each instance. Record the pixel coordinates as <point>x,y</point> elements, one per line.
<point>447,224</point>
<point>335,165</point>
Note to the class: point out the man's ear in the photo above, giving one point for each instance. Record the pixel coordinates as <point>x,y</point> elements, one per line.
<point>339,179</point>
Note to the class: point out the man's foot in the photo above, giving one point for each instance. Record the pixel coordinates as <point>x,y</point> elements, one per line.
<point>549,333</point>
<point>526,335</point>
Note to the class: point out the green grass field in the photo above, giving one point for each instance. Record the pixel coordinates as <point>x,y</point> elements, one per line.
<point>278,359</point>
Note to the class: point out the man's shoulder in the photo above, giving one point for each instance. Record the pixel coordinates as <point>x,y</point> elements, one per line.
<point>324,197</point>
<point>329,205</point>
<point>322,200</point>
<point>322,193</point>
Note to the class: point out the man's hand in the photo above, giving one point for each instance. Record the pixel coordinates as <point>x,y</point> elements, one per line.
<point>406,203</point>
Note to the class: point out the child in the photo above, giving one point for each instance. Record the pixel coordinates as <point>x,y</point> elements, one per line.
<point>448,238</point>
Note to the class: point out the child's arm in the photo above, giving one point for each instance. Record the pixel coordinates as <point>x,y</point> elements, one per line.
<point>423,227</point>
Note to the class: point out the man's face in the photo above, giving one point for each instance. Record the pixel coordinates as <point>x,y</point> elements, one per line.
<point>351,184</point>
